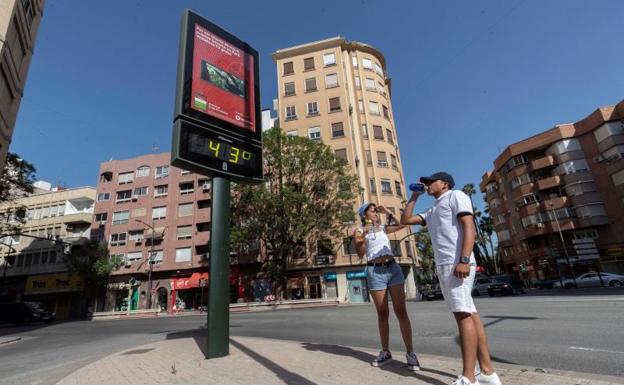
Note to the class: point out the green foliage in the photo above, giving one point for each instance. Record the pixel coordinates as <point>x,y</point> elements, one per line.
<point>427,261</point>
<point>16,181</point>
<point>308,194</point>
<point>92,261</point>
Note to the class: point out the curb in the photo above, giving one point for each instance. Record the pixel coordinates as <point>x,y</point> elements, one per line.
<point>9,340</point>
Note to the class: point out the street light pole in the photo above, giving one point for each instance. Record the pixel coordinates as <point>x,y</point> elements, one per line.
<point>565,249</point>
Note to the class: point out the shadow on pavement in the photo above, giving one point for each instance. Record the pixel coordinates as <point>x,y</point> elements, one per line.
<point>8,329</point>
<point>393,366</point>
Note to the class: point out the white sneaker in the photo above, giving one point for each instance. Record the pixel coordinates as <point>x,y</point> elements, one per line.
<point>383,358</point>
<point>412,362</point>
<point>492,379</point>
<point>462,380</point>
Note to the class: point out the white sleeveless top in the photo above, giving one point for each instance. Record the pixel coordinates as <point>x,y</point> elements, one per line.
<point>377,243</point>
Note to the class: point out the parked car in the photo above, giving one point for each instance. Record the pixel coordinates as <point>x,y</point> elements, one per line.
<point>592,279</point>
<point>505,285</point>
<point>431,293</point>
<point>24,312</point>
<point>481,284</point>
<point>545,283</point>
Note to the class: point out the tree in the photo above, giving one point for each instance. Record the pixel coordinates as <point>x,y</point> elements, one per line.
<point>16,181</point>
<point>307,196</point>
<point>427,260</point>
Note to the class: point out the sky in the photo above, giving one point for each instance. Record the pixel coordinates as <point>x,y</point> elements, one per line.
<point>468,77</point>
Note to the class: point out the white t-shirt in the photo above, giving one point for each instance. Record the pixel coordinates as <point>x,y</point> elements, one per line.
<point>444,229</point>
<point>377,243</point>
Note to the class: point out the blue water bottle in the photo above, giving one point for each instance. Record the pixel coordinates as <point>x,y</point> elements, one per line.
<point>417,187</point>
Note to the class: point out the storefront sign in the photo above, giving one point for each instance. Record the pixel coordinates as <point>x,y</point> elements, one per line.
<point>330,276</point>
<point>615,252</point>
<point>188,282</point>
<point>53,283</point>
<point>356,274</point>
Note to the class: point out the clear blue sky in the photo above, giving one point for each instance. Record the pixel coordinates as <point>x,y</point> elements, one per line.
<point>469,77</point>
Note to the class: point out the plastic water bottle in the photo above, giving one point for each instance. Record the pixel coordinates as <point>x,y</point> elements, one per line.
<point>371,231</point>
<point>417,187</point>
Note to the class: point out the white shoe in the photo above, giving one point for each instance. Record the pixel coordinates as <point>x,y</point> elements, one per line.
<point>412,362</point>
<point>492,379</point>
<point>462,380</point>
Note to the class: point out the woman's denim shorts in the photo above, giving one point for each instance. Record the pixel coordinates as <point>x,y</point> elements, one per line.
<point>381,277</point>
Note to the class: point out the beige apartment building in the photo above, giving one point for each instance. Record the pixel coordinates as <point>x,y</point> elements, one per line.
<point>19,22</point>
<point>570,179</point>
<point>338,92</point>
<point>34,269</point>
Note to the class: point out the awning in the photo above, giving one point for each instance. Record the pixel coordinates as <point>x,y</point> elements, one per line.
<point>188,282</point>
<point>149,234</point>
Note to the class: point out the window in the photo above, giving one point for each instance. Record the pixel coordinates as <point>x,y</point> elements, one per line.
<point>358,85</point>
<point>608,129</point>
<point>187,187</point>
<point>314,132</point>
<point>118,239</point>
<point>337,130</point>
<point>408,248</point>
<point>613,153</point>
<point>142,171</point>
<point>378,69</point>
<point>378,132</point>
<point>329,59</point>
<point>397,187</point>
<point>185,232</point>
<point>396,248</point>
<point>369,158</point>
<point>354,61</point>
<point>308,64</point>
<point>310,84</point>
<point>370,84</point>
<point>140,212</point>
<point>331,80</point>
<point>289,89</point>
<point>529,198</point>
<point>590,210</point>
<point>361,106</point>
<point>381,89</point>
<point>373,107</point>
<point>125,177</point>
<point>393,161</point>
<point>185,210</point>
<point>364,130</point>
<point>389,136</point>
<point>101,218</point>
<point>135,235</point>
<point>386,187</point>
<point>386,113</point>
<point>161,191</point>
<point>348,247</point>
<point>106,177</point>
<point>121,217</point>
<point>159,212</point>
<point>291,113</point>
<point>586,234</point>
<point>373,185</point>
<point>367,64</point>
<point>183,254</point>
<point>141,191</point>
<point>100,197</point>
<point>563,146</point>
<point>515,161</point>
<point>324,247</point>
<point>520,180</point>
<point>382,161</point>
<point>124,196</point>
<point>571,167</point>
<point>162,172</point>
<point>288,68</point>
<point>156,257</point>
<point>313,109</point>
<point>618,178</point>
<point>342,154</point>
<point>134,256</point>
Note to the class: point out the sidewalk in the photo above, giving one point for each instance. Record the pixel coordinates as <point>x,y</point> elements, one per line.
<point>266,362</point>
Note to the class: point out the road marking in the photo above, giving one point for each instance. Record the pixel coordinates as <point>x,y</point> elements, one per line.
<point>595,350</point>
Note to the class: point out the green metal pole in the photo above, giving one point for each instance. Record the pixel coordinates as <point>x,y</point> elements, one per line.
<point>219,291</point>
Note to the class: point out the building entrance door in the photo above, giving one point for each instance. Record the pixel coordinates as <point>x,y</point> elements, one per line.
<point>358,291</point>
<point>315,287</point>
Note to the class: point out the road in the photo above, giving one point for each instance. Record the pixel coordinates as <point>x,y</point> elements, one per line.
<point>581,333</point>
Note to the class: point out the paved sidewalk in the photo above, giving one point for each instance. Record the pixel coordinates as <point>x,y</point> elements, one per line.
<point>266,362</point>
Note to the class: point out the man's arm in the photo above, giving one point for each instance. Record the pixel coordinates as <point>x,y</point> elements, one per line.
<point>407,217</point>
<point>462,270</point>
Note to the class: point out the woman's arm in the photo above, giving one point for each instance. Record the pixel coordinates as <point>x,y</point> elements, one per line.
<point>360,242</point>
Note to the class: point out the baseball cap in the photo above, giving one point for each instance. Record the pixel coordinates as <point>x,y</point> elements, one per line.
<point>363,208</point>
<point>443,176</point>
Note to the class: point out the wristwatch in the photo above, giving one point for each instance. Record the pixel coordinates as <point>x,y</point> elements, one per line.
<point>464,259</point>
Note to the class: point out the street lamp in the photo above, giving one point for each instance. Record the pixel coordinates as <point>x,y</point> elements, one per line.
<point>149,262</point>
<point>565,249</point>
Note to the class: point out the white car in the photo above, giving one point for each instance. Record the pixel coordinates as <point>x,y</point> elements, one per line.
<point>592,280</point>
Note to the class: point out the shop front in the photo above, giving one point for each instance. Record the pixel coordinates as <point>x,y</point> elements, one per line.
<point>60,293</point>
<point>331,288</point>
<point>356,286</point>
<point>189,293</point>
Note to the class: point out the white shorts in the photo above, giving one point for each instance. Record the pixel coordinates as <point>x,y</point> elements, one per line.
<point>457,292</point>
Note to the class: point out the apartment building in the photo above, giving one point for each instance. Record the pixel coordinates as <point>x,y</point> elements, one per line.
<point>338,92</point>
<point>146,209</point>
<point>565,182</point>
<point>19,23</point>
<point>34,269</point>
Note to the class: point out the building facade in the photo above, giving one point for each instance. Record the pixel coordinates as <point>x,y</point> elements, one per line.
<point>19,23</point>
<point>145,207</point>
<point>338,92</point>
<point>34,269</point>
<point>567,182</point>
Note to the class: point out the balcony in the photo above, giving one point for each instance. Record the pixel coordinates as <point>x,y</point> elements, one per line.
<point>615,166</point>
<point>599,220</point>
<point>555,203</point>
<point>201,238</point>
<point>541,163</point>
<point>523,189</point>
<point>517,171</point>
<point>585,198</point>
<point>80,217</point>
<point>529,209</point>
<point>550,182</point>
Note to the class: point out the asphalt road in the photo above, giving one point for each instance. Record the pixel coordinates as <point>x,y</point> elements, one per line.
<point>580,333</point>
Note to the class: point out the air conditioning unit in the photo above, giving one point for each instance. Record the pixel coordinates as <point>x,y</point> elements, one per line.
<point>128,263</point>
<point>540,225</point>
<point>206,186</point>
<point>135,197</point>
<point>205,256</point>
